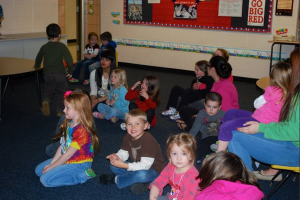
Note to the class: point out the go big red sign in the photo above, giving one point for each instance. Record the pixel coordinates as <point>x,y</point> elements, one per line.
<point>256,13</point>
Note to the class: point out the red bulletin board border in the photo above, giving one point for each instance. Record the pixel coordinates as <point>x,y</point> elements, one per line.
<point>208,16</point>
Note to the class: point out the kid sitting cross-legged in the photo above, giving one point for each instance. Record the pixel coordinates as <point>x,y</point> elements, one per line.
<point>116,105</point>
<point>144,152</point>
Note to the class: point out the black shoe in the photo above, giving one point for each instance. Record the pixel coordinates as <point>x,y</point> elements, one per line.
<point>106,179</point>
<point>139,188</point>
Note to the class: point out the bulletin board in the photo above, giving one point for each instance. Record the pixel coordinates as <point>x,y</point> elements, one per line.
<point>140,12</point>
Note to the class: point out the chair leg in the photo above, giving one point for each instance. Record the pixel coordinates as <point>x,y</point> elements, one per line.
<point>295,176</point>
<point>5,87</point>
<point>275,176</point>
<point>279,185</point>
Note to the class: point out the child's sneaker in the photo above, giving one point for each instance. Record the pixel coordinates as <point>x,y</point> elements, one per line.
<point>123,126</point>
<point>214,147</point>
<point>86,82</point>
<point>169,112</point>
<point>73,80</point>
<point>90,173</point>
<point>175,117</point>
<point>98,115</point>
<point>114,119</point>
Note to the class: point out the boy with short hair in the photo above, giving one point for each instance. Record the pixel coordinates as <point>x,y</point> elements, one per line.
<point>144,152</point>
<point>53,53</point>
<point>207,124</point>
<point>107,44</point>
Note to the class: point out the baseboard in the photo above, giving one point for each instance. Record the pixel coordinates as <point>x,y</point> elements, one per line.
<point>181,71</point>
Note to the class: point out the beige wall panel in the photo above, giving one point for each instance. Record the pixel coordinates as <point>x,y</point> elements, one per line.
<point>236,40</point>
<point>214,38</point>
<point>70,18</point>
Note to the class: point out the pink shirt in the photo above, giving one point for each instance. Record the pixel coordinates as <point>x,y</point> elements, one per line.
<point>186,183</point>
<point>270,111</point>
<point>227,90</point>
<point>226,190</point>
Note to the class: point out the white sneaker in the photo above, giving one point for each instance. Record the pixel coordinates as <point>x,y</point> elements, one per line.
<point>169,112</point>
<point>175,116</point>
<point>123,126</point>
<point>214,147</point>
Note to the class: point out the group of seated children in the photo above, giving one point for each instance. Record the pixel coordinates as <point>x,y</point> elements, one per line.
<point>139,163</point>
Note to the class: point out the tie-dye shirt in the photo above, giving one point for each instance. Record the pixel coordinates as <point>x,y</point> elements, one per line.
<point>79,138</point>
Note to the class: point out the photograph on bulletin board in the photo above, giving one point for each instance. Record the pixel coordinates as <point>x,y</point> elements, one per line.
<point>185,11</point>
<point>251,16</point>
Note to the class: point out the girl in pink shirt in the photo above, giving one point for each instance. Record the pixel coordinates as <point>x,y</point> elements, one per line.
<point>180,173</point>
<point>267,106</point>
<point>223,175</point>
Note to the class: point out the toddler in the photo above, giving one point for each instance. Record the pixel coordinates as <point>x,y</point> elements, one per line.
<point>180,172</point>
<point>144,152</point>
<point>223,175</point>
<point>116,105</point>
<point>90,56</point>
<point>52,54</point>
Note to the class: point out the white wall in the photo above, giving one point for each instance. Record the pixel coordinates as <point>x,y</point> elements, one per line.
<point>28,16</point>
<point>243,67</point>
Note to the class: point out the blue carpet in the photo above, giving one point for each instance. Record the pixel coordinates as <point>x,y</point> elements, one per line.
<point>25,132</point>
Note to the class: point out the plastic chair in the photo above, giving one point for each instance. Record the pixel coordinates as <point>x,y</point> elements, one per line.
<point>281,169</point>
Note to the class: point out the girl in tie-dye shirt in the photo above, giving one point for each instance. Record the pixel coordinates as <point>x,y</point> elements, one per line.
<point>72,162</point>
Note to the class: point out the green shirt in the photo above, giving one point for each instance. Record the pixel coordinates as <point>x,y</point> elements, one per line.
<point>284,131</point>
<point>54,53</point>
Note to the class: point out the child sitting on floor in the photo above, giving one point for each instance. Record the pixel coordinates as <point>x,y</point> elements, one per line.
<point>116,105</point>
<point>147,98</point>
<point>199,88</point>
<point>180,173</point>
<point>223,175</point>
<point>144,152</point>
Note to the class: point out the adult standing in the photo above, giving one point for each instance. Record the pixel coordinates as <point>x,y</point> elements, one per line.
<point>273,143</point>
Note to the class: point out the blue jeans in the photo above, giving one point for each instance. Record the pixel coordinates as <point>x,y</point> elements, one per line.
<point>85,63</point>
<point>110,111</point>
<point>94,66</point>
<point>126,178</point>
<point>233,119</point>
<point>66,174</point>
<point>264,150</point>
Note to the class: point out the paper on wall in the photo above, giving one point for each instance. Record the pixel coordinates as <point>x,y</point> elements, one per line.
<point>230,8</point>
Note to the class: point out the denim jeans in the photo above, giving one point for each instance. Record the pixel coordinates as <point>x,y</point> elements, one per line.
<point>63,175</point>
<point>233,119</point>
<point>110,111</point>
<point>85,63</point>
<point>264,150</point>
<point>126,178</point>
<point>94,66</point>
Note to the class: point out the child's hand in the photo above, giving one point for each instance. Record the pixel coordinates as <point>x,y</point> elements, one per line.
<point>69,76</point>
<point>112,156</point>
<point>46,168</point>
<point>117,162</point>
<point>107,102</point>
<point>196,86</point>
<point>250,127</point>
<point>144,94</point>
<point>112,102</point>
<point>136,84</point>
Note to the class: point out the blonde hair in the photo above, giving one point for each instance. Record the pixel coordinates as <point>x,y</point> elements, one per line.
<point>225,166</point>
<point>185,142</point>
<point>122,77</point>
<point>82,104</point>
<point>225,53</point>
<point>280,76</point>
<point>136,113</point>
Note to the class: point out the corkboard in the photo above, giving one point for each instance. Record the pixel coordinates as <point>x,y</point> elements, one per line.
<point>162,14</point>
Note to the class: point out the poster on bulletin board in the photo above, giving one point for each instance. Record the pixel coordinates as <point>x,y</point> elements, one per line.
<point>248,16</point>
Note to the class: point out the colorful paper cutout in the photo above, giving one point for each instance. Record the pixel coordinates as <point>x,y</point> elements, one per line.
<point>281,31</point>
<point>115,14</point>
<point>91,7</point>
<point>116,21</point>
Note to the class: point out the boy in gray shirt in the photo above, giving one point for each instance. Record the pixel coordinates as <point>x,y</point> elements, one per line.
<point>208,120</point>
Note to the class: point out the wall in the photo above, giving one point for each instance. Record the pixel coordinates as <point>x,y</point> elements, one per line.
<point>243,67</point>
<point>28,16</point>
